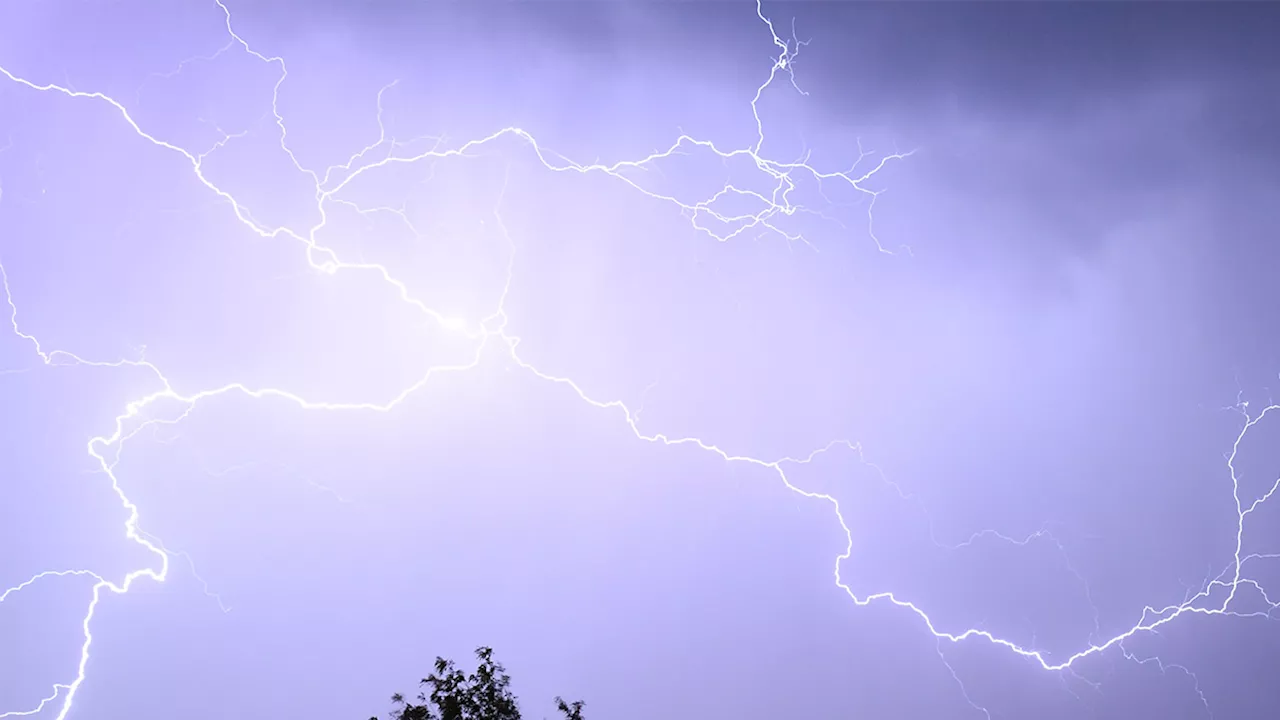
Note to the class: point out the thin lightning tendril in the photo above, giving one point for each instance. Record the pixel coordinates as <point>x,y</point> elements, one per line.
<point>491,331</point>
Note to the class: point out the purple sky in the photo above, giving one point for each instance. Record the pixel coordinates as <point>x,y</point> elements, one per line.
<point>410,327</point>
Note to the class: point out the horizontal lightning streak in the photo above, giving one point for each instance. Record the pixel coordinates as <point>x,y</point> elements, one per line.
<point>492,332</point>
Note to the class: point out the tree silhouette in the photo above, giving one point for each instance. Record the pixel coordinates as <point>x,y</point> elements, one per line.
<point>483,695</point>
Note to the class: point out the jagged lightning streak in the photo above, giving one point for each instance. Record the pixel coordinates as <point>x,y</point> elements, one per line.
<point>1218,595</point>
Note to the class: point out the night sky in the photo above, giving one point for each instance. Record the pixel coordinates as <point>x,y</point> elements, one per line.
<point>815,360</point>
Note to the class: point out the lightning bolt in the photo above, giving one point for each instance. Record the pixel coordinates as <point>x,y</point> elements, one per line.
<point>1232,592</point>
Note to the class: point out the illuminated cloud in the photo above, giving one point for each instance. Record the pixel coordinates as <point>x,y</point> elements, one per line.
<point>315,378</point>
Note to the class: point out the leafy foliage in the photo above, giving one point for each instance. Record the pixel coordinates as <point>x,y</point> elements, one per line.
<point>450,694</point>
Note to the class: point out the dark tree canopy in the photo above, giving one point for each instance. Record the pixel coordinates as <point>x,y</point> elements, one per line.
<point>450,694</point>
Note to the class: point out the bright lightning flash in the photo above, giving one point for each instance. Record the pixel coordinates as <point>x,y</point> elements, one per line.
<point>1220,595</point>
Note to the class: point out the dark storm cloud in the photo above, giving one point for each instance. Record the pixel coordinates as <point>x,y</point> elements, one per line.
<point>1068,120</point>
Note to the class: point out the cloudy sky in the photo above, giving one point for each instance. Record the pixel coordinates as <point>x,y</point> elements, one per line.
<point>349,334</point>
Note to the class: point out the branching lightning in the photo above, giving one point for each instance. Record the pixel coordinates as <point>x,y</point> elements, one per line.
<point>1223,594</point>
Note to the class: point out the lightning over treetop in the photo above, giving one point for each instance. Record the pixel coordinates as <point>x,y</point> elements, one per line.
<point>363,289</point>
